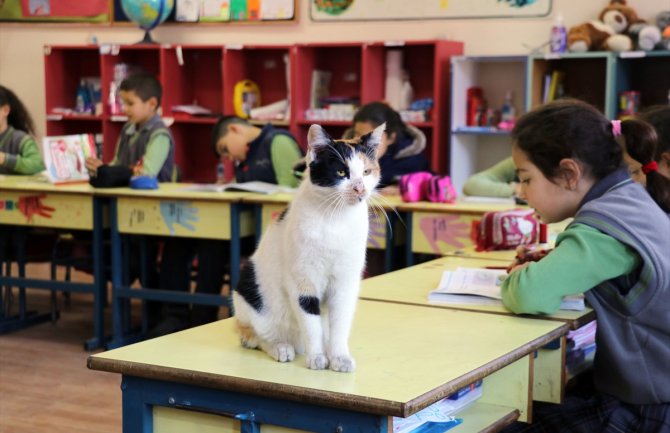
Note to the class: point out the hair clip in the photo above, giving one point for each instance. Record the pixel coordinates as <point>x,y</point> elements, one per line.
<point>616,128</point>
<point>649,167</point>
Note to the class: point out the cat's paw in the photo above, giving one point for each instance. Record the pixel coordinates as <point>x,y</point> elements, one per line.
<point>283,352</point>
<point>317,361</point>
<point>342,363</point>
<point>251,343</point>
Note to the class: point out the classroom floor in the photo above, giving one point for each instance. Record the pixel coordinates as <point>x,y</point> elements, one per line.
<point>44,383</point>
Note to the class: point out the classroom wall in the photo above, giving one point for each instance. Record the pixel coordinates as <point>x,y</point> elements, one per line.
<point>21,45</point>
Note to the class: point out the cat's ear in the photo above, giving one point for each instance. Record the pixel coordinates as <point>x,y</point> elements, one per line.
<point>317,138</point>
<point>372,140</point>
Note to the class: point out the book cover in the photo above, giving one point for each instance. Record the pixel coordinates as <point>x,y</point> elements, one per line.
<point>65,157</point>
<point>482,287</point>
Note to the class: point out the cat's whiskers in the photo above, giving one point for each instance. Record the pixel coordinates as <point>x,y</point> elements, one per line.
<point>387,202</point>
<point>378,209</point>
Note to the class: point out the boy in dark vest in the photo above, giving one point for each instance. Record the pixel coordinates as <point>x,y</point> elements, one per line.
<point>260,154</point>
<point>145,143</point>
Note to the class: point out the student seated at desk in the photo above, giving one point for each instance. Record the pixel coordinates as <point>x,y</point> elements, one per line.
<point>145,143</point>
<point>260,154</point>
<point>614,251</point>
<point>19,153</point>
<point>146,146</point>
<point>402,146</point>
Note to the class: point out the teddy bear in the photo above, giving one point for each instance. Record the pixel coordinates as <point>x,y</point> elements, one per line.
<point>618,28</point>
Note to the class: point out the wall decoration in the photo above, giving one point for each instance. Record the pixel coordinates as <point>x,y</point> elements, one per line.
<point>370,10</point>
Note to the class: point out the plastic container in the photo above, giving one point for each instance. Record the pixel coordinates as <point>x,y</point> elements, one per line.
<point>558,42</point>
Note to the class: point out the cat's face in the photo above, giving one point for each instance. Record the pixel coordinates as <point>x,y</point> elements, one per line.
<point>350,167</point>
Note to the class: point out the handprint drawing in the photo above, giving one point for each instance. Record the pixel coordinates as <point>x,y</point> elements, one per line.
<point>32,205</point>
<point>179,213</point>
<point>376,231</point>
<point>444,228</point>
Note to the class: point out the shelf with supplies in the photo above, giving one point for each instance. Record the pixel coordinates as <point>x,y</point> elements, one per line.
<point>201,82</point>
<point>618,84</point>
<point>477,142</point>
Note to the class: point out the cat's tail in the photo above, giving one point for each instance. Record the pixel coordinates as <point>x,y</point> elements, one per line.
<point>247,334</point>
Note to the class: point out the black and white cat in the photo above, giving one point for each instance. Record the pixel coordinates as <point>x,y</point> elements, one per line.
<point>298,291</point>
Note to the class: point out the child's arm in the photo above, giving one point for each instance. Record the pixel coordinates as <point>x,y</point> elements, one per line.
<point>496,181</point>
<point>28,160</point>
<point>285,153</point>
<point>583,258</point>
<point>156,154</point>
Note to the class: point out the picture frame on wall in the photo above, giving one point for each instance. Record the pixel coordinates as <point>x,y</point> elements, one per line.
<point>382,10</point>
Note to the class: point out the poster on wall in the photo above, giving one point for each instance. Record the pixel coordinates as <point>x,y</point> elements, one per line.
<point>55,10</point>
<point>371,10</point>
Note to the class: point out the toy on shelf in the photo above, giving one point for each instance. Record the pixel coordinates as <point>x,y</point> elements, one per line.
<point>618,28</point>
<point>246,96</point>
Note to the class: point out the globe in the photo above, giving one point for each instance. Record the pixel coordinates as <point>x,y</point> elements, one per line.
<point>147,14</point>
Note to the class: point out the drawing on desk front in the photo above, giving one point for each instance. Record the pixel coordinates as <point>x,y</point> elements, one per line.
<point>31,205</point>
<point>179,213</point>
<point>444,228</point>
<point>377,232</point>
<point>307,268</point>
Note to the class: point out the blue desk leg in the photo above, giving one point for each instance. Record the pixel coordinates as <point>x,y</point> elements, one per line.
<point>409,255</point>
<point>389,253</point>
<point>99,281</point>
<point>140,395</point>
<point>235,210</point>
<point>117,265</point>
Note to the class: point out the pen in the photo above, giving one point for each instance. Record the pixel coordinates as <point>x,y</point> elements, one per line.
<point>495,267</point>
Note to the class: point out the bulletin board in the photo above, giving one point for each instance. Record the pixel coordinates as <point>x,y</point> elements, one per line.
<point>55,10</point>
<point>371,10</point>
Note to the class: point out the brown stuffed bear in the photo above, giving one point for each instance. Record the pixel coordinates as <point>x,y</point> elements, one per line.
<point>610,31</point>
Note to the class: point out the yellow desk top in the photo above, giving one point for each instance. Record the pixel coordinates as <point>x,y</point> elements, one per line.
<point>461,207</point>
<point>172,191</point>
<point>407,358</point>
<point>412,285</point>
<point>33,184</point>
<point>385,201</point>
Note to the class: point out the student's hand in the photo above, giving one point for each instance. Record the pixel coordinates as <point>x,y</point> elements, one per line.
<point>92,165</point>
<point>2,158</point>
<point>525,255</point>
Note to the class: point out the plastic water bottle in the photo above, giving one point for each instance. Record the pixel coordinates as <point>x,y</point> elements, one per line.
<point>559,36</point>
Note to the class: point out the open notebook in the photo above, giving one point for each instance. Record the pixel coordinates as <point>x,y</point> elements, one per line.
<point>254,186</point>
<point>482,287</point>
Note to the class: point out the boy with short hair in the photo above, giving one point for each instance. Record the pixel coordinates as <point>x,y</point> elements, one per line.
<point>261,154</point>
<point>145,143</point>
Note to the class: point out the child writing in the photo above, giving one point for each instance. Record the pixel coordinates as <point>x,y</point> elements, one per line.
<point>145,144</point>
<point>19,153</point>
<point>260,154</point>
<point>402,146</point>
<point>614,251</point>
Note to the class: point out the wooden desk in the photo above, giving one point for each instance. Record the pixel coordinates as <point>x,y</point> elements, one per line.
<point>270,206</point>
<point>407,358</point>
<point>172,210</point>
<point>436,228</point>
<point>411,286</point>
<point>27,202</point>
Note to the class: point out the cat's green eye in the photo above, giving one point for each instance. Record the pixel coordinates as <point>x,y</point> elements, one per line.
<point>341,173</point>
<point>367,172</point>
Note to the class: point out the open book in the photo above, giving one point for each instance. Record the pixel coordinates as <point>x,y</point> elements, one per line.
<point>482,287</point>
<point>65,157</point>
<point>254,186</point>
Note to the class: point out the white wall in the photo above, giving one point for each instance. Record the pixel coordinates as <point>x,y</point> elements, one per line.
<point>21,45</point>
